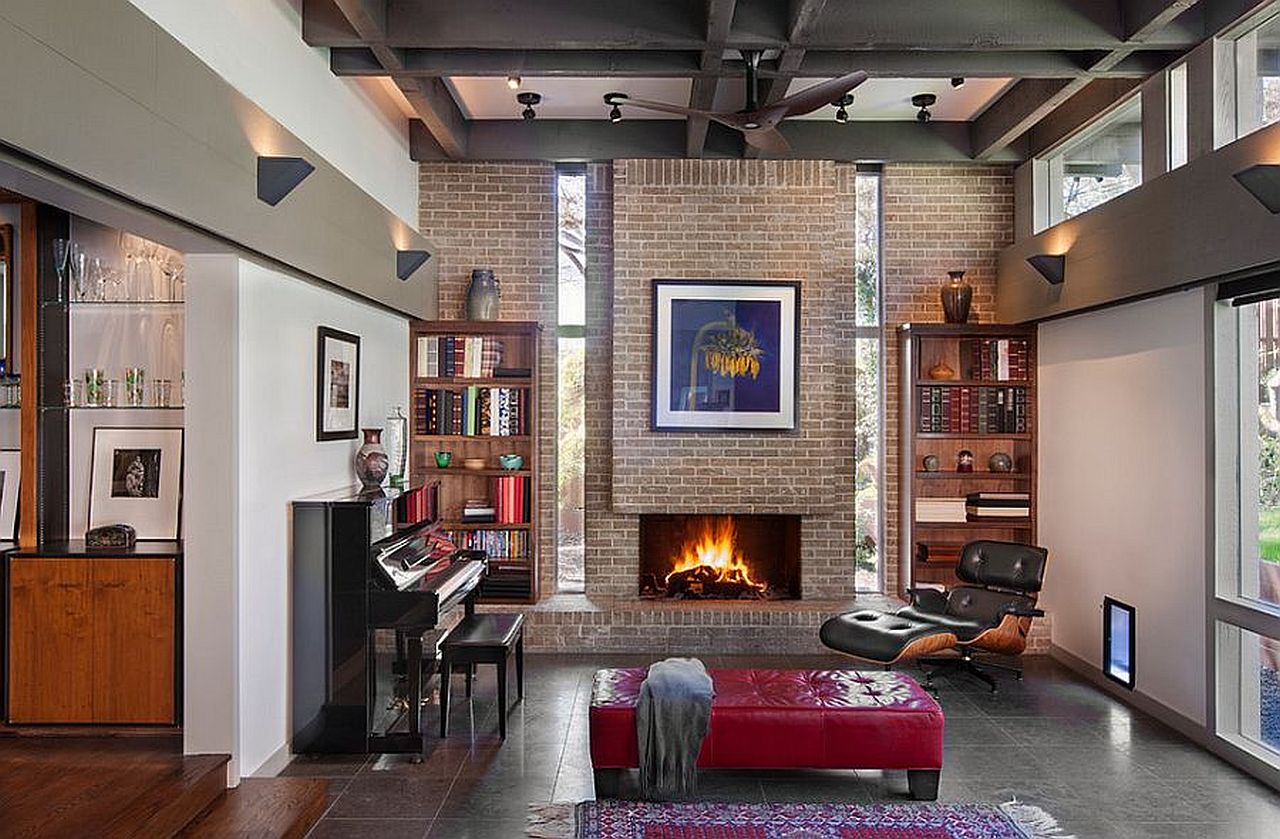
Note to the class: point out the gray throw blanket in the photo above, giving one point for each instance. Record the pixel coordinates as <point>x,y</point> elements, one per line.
<point>672,716</point>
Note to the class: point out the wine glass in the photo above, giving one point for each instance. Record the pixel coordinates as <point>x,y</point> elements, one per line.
<point>171,268</point>
<point>61,249</point>
<point>97,280</point>
<point>79,271</point>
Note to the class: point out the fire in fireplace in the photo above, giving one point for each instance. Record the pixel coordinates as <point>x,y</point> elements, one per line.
<point>720,557</point>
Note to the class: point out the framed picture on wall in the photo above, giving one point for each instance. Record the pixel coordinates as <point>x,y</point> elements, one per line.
<point>135,478</point>
<point>726,355</point>
<point>337,384</point>
<point>10,474</point>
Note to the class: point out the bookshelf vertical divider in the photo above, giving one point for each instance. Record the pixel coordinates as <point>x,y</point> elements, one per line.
<point>987,405</point>
<point>457,409</point>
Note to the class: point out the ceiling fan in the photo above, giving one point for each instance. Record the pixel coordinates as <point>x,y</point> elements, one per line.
<point>759,125</point>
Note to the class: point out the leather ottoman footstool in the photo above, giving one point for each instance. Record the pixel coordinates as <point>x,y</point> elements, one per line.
<point>786,719</point>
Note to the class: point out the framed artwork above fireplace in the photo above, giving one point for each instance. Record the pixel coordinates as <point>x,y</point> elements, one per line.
<point>726,355</point>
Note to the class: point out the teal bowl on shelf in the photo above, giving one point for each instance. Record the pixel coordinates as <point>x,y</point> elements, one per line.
<point>510,461</point>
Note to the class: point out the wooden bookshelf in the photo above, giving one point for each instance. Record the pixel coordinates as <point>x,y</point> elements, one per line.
<point>512,579</point>
<point>924,347</point>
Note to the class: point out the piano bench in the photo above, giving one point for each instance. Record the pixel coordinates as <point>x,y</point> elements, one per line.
<point>482,639</point>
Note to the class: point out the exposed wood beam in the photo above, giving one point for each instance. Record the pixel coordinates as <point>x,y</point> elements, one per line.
<point>1144,18</point>
<point>418,62</point>
<point>702,93</point>
<point>1084,107</point>
<point>429,97</point>
<point>580,140</point>
<point>1014,113</point>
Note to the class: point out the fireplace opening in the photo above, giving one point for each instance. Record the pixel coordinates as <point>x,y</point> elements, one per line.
<point>720,557</point>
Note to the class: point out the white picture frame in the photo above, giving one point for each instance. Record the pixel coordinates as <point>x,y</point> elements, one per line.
<point>135,478</point>
<point>10,481</point>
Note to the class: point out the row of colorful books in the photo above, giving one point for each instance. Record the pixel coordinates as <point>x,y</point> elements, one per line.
<point>474,411</point>
<point>977,506</point>
<point>468,356</point>
<point>997,359</point>
<point>417,504</point>
<point>511,499</point>
<point>973,410</point>
<point>498,544</point>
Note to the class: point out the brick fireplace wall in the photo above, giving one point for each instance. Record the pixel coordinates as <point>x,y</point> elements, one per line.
<point>783,220</point>
<point>749,219</point>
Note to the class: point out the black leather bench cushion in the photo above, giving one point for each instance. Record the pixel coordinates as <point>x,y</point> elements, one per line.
<point>875,636</point>
<point>492,630</point>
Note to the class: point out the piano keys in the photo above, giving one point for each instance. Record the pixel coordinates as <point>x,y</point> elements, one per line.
<point>370,603</point>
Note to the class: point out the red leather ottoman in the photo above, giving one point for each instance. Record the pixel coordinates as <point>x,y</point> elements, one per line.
<point>786,719</point>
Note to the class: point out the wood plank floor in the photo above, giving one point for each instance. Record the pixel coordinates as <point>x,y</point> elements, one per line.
<point>104,786</point>
<point>262,807</point>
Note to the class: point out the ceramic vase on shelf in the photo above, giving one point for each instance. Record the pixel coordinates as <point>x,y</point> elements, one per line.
<point>956,297</point>
<point>371,459</point>
<point>483,295</point>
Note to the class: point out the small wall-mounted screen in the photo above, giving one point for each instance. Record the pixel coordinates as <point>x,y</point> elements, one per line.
<point>1118,641</point>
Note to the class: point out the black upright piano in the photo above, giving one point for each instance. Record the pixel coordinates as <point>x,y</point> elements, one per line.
<point>369,605</point>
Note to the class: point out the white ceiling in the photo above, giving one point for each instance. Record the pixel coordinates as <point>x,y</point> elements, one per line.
<point>581,98</point>
<point>562,98</point>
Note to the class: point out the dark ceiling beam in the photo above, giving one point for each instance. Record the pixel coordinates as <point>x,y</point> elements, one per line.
<point>429,98</point>
<point>1145,18</point>
<point>417,62</point>
<point>976,25</point>
<point>581,140</point>
<point>1016,111</point>
<point>702,93</point>
<point>802,17</point>
<point>1081,109</point>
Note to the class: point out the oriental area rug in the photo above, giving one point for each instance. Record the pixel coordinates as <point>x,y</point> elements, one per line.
<point>613,819</point>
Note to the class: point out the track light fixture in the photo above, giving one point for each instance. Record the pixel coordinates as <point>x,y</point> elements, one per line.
<point>842,116</point>
<point>529,99</point>
<point>1263,182</point>
<point>615,115</point>
<point>924,101</point>
<point>957,81</point>
<point>409,261</point>
<point>277,177</point>
<point>513,82</point>
<point>1053,267</point>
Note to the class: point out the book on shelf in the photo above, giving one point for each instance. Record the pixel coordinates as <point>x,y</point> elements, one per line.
<point>512,499</point>
<point>999,500</point>
<point>512,373</point>
<point>478,511</point>
<point>972,409</point>
<point>473,411</point>
<point>459,356</point>
<point>498,544</point>
<point>998,512</point>
<point>997,359</point>
<point>940,510</point>
<point>939,553</point>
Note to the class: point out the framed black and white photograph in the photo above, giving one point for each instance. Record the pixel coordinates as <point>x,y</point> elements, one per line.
<point>726,355</point>
<point>10,475</point>
<point>337,384</point>
<point>136,479</point>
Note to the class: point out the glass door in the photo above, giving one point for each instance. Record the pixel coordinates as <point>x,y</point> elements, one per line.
<point>1244,606</point>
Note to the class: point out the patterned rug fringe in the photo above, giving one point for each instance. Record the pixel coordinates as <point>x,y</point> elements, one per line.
<point>1033,821</point>
<point>557,820</point>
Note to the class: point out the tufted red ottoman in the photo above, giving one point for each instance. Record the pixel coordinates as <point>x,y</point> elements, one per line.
<point>786,719</point>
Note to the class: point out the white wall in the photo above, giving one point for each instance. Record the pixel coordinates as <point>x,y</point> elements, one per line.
<point>1122,473</point>
<point>257,46</point>
<point>280,460</point>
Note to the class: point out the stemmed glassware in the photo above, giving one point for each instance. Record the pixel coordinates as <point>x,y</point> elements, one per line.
<point>79,271</point>
<point>61,250</point>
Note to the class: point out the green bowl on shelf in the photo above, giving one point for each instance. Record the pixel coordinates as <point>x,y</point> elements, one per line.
<point>510,461</point>
<point>443,459</point>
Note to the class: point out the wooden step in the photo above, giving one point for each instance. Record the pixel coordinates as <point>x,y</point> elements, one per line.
<point>109,787</point>
<point>263,808</point>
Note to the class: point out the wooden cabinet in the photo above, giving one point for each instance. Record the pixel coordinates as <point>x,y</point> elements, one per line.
<point>92,640</point>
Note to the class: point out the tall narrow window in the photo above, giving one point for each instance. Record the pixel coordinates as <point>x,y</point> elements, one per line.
<point>571,320</point>
<point>1178,116</point>
<point>1258,77</point>
<point>868,499</point>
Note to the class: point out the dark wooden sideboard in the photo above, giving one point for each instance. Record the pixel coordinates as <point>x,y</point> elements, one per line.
<point>93,636</point>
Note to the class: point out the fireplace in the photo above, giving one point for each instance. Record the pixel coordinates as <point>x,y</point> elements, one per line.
<point>720,557</point>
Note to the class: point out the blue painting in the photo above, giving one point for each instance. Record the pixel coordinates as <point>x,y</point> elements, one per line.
<point>725,355</point>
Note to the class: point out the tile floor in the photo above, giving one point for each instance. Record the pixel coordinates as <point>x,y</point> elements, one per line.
<point>1052,740</point>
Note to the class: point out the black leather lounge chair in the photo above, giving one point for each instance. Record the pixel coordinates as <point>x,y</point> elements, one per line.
<point>990,613</point>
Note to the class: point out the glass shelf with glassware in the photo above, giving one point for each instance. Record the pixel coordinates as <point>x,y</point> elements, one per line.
<point>151,273</point>
<point>94,389</point>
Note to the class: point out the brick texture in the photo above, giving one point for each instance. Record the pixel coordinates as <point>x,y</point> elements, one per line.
<point>503,216</point>
<point>779,220</point>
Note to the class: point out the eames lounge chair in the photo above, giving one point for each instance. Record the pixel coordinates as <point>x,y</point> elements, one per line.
<point>990,613</point>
